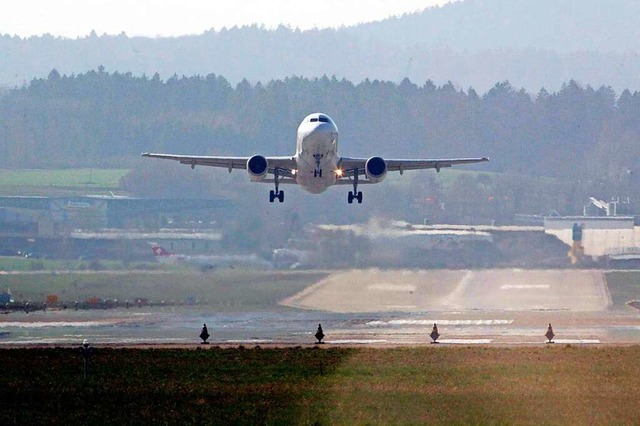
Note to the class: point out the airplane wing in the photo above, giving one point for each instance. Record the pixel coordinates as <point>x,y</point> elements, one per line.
<point>349,164</point>
<point>283,163</point>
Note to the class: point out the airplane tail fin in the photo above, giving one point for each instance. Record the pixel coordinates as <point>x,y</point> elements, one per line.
<point>160,251</point>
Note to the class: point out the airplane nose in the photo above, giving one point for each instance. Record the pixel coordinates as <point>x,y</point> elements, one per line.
<point>323,131</point>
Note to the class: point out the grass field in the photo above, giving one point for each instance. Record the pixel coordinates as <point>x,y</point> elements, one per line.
<point>623,287</point>
<point>436,384</point>
<point>225,290</point>
<point>80,178</point>
<point>439,385</point>
<point>16,263</point>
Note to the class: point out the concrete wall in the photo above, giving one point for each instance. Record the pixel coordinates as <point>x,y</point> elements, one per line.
<point>600,235</point>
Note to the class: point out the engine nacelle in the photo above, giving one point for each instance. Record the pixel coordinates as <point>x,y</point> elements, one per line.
<point>257,167</point>
<point>376,169</point>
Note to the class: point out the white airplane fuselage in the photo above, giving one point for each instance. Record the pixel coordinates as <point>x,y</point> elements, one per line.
<point>317,153</point>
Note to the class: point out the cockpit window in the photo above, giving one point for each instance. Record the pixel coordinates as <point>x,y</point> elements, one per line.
<point>320,118</point>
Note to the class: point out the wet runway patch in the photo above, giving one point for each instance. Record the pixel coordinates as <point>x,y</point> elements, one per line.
<point>441,322</point>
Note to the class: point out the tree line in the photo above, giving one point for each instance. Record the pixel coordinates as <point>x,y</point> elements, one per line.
<point>583,138</point>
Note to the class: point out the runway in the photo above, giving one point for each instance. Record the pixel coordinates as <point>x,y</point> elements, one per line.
<point>505,306</point>
<point>444,291</point>
<point>370,307</point>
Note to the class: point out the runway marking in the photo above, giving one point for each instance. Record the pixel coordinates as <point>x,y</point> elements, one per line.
<point>140,340</point>
<point>441,322</point>
<point>455,298</point>
<point>95,341</point>
<point>524,286</point>
<point>577,341</point>
<point>466,341</point>
<point>403,288</point>
<point>354,342</point>
<point>47,324</point>
<point>250,341</point>
<point>401,307</point>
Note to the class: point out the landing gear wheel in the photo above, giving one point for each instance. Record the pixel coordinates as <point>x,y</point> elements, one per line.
<point>273,195</point>
<point>355,196</point>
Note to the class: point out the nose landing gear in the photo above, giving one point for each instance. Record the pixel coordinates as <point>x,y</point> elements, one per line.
<point>318,171</point>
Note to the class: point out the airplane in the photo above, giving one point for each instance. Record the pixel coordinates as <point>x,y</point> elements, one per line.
<point>316,165</point>
<point>205,262</point>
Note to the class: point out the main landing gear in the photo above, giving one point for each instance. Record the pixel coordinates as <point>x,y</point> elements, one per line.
<point>355,194</point>
<point>273,195</point>
<point>277,193</point>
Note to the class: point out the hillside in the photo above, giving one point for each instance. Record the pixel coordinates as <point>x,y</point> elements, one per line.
<point>472,43</point>
<point>475,25</point>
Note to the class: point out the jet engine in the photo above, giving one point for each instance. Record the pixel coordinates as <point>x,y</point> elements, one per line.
<point>376,169</point>
<point>257,167</point>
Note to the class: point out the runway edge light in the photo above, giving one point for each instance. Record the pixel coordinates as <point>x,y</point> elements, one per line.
<point>204,335</point>
<point>549,334</point>
<point>319,334</point>
<point>434,334</point>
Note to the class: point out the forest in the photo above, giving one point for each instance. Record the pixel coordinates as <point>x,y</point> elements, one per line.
<point>548,150</point>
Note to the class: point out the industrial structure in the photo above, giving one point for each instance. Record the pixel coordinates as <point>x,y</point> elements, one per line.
<point>101,226</point>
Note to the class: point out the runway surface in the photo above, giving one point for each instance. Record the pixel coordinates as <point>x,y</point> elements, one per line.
<point>371,307</point>
<point>476,307</point>
<point>444,291</point>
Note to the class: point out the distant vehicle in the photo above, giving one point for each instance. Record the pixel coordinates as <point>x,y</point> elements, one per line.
<point>206,262</point>
<point>284,258</point>
<point>316,164</point>
<point>31,255</point>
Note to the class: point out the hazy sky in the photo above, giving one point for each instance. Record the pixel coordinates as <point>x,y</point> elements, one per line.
<point>73,18</point>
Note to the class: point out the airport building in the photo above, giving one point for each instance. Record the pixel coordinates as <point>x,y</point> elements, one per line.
<point>602,237</point>
<point>400,244</point>
<point>102,226</point>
